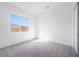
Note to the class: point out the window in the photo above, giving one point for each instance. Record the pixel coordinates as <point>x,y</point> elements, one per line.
<point>19,24</point>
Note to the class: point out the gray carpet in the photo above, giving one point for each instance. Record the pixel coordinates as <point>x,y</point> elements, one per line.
<point>38,49</point>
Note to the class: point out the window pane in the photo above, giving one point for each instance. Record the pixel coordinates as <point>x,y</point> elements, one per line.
<point>15,19</point>
<point>15,29</point>
<point>23,21</point>
<point>24,29</point>
<point>15,25</point>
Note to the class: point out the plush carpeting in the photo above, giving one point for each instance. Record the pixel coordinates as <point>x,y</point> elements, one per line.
<point>38,49</point>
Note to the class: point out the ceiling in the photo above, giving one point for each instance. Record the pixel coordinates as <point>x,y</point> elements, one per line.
<point>37,8</point>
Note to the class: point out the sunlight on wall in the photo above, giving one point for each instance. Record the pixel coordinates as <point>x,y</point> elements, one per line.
<point>43,36</point>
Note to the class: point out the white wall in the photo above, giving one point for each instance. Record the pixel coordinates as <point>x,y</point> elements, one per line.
<point>57,24</point>
<point>9,38</point>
